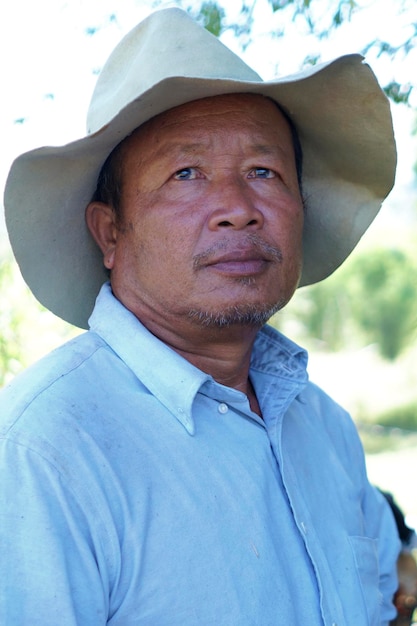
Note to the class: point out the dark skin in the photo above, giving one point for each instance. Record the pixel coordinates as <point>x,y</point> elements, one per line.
<point>209,243</point>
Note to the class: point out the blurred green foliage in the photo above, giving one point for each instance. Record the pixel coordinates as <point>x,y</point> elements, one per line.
<point>211,15</point>
<point>404,417</point>
<point>27,330</point>
<point>371,299</point>
<point>11,321</point>
<point>394,429</point>
<point>384,299</point>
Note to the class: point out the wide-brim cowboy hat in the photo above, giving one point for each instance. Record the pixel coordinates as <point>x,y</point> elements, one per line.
<point>342,117</point>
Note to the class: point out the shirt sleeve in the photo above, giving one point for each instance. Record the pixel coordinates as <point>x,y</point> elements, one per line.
<point>49,568</point>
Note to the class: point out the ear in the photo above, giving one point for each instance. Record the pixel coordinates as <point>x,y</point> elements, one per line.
<point>101,222</point>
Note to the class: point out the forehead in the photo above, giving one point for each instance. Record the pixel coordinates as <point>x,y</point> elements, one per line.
<point>255,116</point>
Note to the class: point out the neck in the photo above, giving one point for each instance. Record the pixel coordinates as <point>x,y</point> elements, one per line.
<point>227,362</point>
<point>224,353</point>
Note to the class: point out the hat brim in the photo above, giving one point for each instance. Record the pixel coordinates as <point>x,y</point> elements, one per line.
<point>344,124</point>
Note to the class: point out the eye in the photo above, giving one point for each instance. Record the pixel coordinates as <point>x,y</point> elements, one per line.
<point>261,172</point>
<point>187,173</point>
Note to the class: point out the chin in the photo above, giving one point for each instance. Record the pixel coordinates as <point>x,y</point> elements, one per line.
<point>249,315</point>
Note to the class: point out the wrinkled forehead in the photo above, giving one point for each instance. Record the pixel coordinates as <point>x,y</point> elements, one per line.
<point>256,114</point>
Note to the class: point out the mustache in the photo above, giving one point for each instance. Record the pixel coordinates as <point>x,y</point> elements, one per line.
<point>251,241</point>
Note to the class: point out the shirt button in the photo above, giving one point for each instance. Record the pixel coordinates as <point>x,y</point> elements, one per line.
<point>222,408</point>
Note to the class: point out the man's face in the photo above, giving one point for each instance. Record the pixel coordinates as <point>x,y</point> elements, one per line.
<point>211,215</point>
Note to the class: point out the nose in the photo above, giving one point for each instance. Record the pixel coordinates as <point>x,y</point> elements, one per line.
<point>234,208</point>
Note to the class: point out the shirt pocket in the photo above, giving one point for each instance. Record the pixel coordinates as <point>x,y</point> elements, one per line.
<point>365,552</point>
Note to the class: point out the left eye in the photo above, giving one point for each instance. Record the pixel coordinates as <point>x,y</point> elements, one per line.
<point>187,173</point>
<point>261,172</point>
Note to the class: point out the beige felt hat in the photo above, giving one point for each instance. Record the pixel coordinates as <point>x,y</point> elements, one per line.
<point>341,114</point>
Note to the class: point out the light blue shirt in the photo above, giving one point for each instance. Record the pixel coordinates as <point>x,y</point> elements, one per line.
<point>135,490</point>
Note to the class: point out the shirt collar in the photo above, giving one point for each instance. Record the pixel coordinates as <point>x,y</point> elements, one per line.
<point>169,377</point>
<point>275,354</point>
<point>172,379</point>
<point>278,373</point>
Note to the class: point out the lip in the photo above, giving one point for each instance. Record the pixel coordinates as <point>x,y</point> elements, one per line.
<point>239,262</point>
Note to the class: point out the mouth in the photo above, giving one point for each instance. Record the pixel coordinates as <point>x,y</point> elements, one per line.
<point>248,258</point>
<point>239,262</point>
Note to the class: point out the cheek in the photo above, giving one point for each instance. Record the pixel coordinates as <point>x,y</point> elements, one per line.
<point>162,250</point>
<point>298,233</point>
<point>296,220</point>
<point>291,241</point>
<point>288,222</point>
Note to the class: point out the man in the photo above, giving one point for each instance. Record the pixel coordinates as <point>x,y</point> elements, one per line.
<point>174,465</point>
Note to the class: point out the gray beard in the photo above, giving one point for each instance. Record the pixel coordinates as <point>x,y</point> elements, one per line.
<point>254,316</point>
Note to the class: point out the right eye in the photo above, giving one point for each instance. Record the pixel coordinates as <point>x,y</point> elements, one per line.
<point>187,173</point>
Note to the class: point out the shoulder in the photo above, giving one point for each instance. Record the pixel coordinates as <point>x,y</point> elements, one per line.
<point>323,405</point>
<point>319,406</point>
<point>331,422</point>
<point>58,415</point>
<point>65,368</point>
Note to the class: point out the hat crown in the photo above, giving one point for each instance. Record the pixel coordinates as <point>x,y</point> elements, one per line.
<point>182,49</point>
